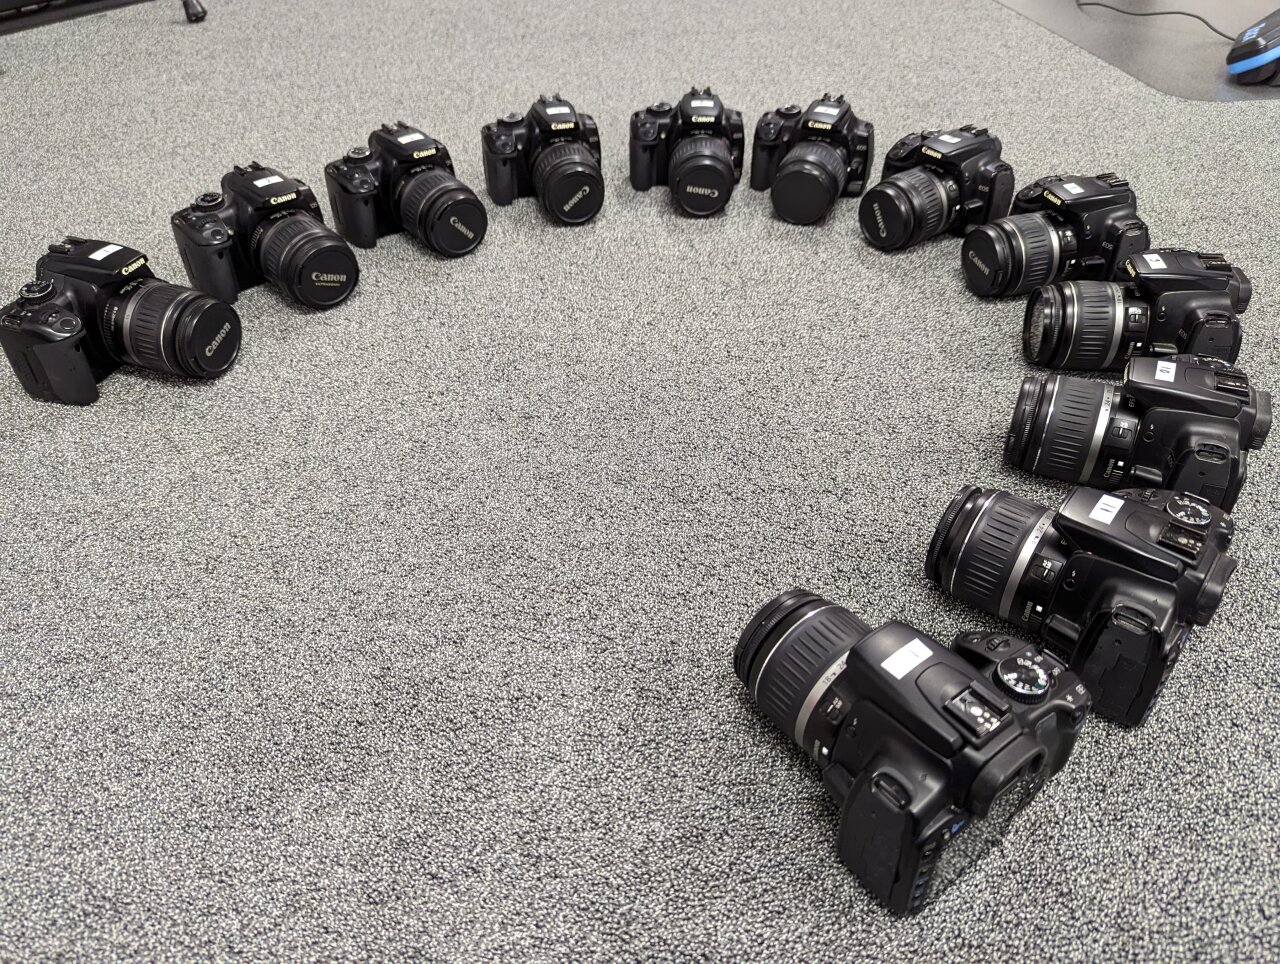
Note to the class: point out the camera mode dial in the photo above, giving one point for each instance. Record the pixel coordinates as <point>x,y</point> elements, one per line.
<point>208,201</point>
<point>1023,678</point>
<point>1191,511</point>
<point>36,292</point>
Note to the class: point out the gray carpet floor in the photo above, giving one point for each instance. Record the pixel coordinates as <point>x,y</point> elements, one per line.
<point>412,635</point>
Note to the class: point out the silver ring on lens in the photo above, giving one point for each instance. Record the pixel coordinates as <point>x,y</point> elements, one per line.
<point>1020,564</point>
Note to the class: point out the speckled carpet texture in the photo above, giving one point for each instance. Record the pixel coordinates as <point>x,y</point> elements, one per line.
<point>412,636</point>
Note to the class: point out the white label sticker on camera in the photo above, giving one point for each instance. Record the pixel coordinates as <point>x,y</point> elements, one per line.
<point>949,138</point>
<point>1106,509</point>
<point>105,252</point>
<point>702,103</point>
<point>264,181</point>
<point>558,110</point>
<point>1153,260</point>
<point>410,138</point>
<point>824,109</point>
<point>907,658</point>
<point>1166,370</point>
<point>1071,187</point>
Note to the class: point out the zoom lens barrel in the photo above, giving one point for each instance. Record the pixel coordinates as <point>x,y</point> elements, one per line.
<point>1058,426</point>
<point>171,329</point>
<point>810,179</point>
<point>1077,325</point>
<point>567,179</point>
<point>701,174</point>
<point>787,647</point>
<point>442,213</point>
<point>300,255</point>
<point>1015,255</point>
<point>982,547</point>
<point>907,208</point>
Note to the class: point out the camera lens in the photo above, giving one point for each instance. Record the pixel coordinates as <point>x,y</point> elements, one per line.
<point>701,175</point>
<point>809,181</point>
<point>300,255</point>
<point>567,178</point>
<point>785,651</point>
<point>982,546</point>
<point>443,213</point>
<point>1076,325</point>
<point>167,328</point>
<point>1014,255</point>
<point>907,208</point>
<point>1058,425</point>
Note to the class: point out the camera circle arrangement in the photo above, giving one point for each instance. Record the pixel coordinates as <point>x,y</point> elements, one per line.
<point>930,751</point>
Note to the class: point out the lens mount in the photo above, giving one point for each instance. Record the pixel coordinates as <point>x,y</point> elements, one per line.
<point>786,651</point>
<point>566,177</point>
<point>171,329</point>
<point>701,174</point>
<point>442,212</point>
<point>1012,256</point>
<point>300,255</point>
<point>810,179</point>
<point>982,547</point>
<point>907,208</point>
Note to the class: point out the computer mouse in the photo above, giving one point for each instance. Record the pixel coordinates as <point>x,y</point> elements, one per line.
<point>1255,57</point>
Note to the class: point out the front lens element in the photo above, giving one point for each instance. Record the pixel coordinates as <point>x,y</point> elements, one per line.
<point>701,175</point>
<point>566,176</point>
<point>809,181</point>
<point>982,546</point>
<point>907,208</point>
<point>171,329</point>
<point>443,213</point>
<point>787,647</point>
<point>300,255</point>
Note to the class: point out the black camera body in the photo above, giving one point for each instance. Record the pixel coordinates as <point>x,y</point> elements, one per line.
<point>404,181</point>
<point>810,158</point>
<point>937,181</point>
<point>1183,422</point>
<point>929,752</point>
<point>264,226</point>
<point>1110,583</point>
<point>1176,302</point>
<point>696,147</point>
<point>96,306</point>
<point>552,153</point>
<point>1061,229</point>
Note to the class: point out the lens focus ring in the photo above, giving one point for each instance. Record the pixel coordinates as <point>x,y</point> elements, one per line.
<point>1068,433</point>
<point>991,539</point>
<point>1096,312</point>
<point>147,340</point>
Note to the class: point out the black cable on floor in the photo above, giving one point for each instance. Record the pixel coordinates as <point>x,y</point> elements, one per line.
<point>1157,13</point>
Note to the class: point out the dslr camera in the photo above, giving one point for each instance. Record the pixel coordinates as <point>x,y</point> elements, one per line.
<point>934,182</point>
<point>264,226</point>
<point>1173,303</point>
<point>929,752</point>
<point>1061,229</point>
<point>811,158</point>
<point>1184,423</point>
<point>695,147</point>
<point>403,181</point>
<point>552,153</point>
<point>1109,583</point>
<point>96,306</point>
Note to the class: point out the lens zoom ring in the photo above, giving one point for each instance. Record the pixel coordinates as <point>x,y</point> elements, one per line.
<point>145,337</point>
<point>418,195</point>
<point>986,561</point>
<point>1068,434</point>
<point>1096,304</point>
<point>279,238</point>
<point>704,144</point>
<point>555,155</point>
<point>1038,244</point>
<point>800,658</point>
<point>931,210</point>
